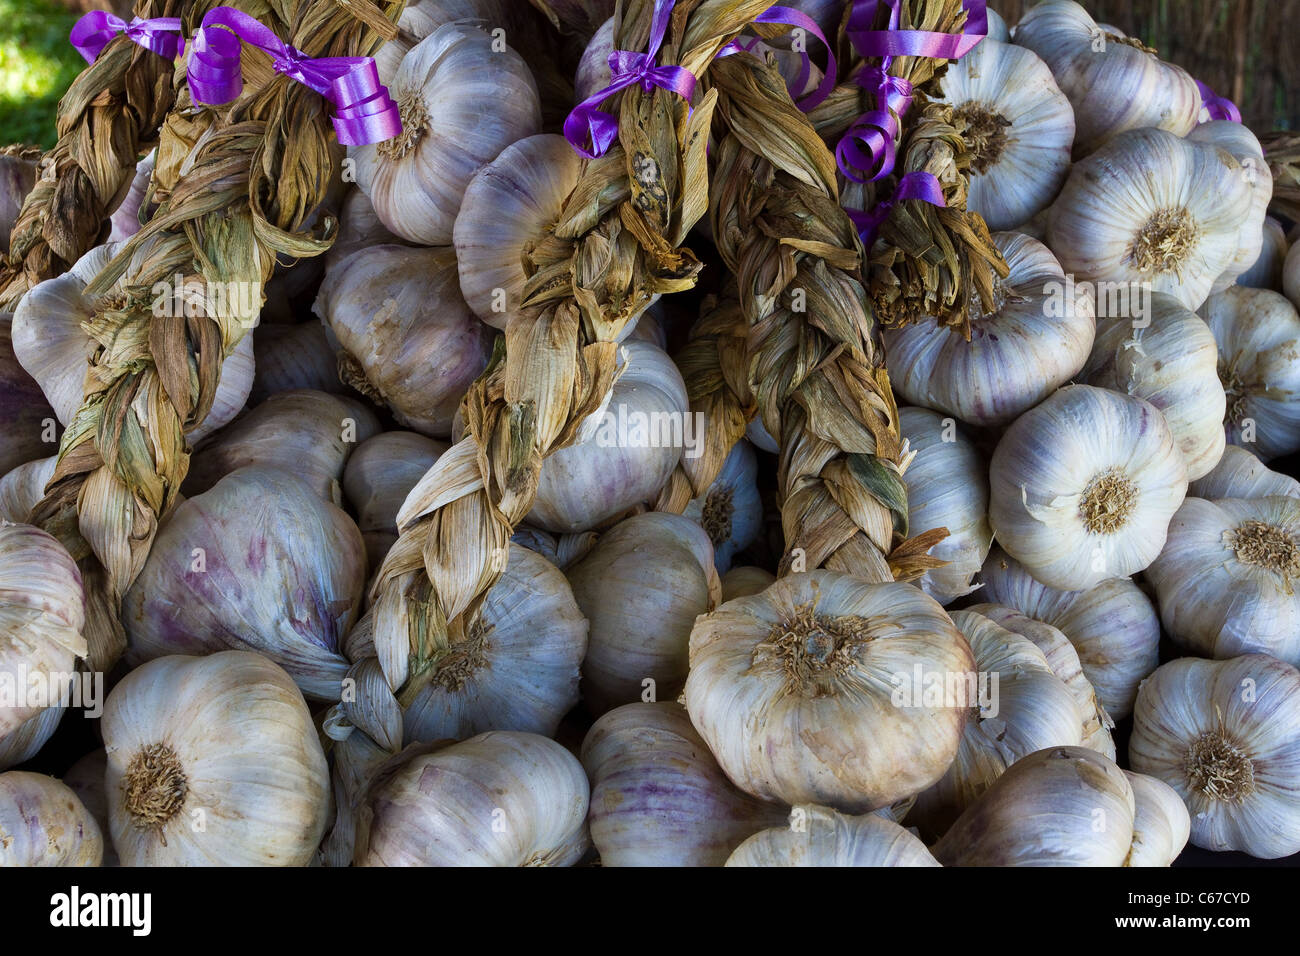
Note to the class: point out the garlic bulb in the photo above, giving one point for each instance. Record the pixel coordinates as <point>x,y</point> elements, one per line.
<point>1226,736</point>
<point>213,761</point>
<point>22,488</point>
<point>409,339</point>
<point>757,436</point>
<point>593,68</point>
<point>499,799</point>
<point>998,29</point>
<point>1169,359</point>
<point>359,228</point>
<point>1266,271</point>
<point>627,451</point>
<point>947,487</point>
<point>1063,659</point>
<point>42,823</point>
<point>304,433</point>
<point>518,667</point>
<point>1161,825</point>
<point>1036,338</point>
<point>1291,275</point>
<point>1238,140</point>
<point>730,510</point>
<point>740,582</point>
<point>259,562</point>
<point>421,17</point>
<point>17,177</point>
<point>1083,486</point>
<point>1063,806</point>
<point>819,836</point>
<point>1226,579</point>
<point>658,798</point>
<point>126,219</point>
<point>41,621</point>
<point>1113,626</point>
<point>24,743</point>
<point>510,206</point>
<point>85,778</point>
<point>27,425</point>
<point>379,475</point>
<point>289,357</point>
<point>807,692</point>
<point>641,587</point>
<point>1020,128</point>
<point>1258,332</point>
<point>1239,474</point>
<point>1150,210</point>
<point>461,103</point>
<point>1113,82</point>
<point>1020,706</point>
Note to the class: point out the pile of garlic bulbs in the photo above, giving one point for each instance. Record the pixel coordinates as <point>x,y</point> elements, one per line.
<point>1110,625</point>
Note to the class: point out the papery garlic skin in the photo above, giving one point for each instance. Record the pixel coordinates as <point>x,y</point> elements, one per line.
<point>947,487</point>
<point>1036,339</point>
<point>517,669</point>
<point>1161,825</point>
<point>1170,359</point>
<point>820,836</point>
<point>292,357</point>
<point>22,488</point>
<point>1258,333</point>
<point>1064,806</point>
<point>42,823</point>
<point>25,742</point>
<point>1113,83</point>
<point>1226,578</point>
<point>1239,474</point>
<point>1266,271</point>
<point>1021,128</point>
<point>126,219</point>
<point>658,798</point>
<point>1113,626</point>
<point>1151,210</point>
<point>499,799</point>
<point>730,510</point>
<point>1083,486</point>
<point>791,690</point>
<point>378,477</point>
<point>642,587</point>
<point>1237,139</point>
<point>259,562</point>
<point>461,103</point>
<point>224,739</point>
<point>1226,736</point>
<point>27,422</point>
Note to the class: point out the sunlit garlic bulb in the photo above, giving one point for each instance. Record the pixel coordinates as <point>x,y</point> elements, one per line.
<point>1238,140</point>
<point>731,511</point>
<point>820,836</point>
<point>421,17</point>
<point>1239,474</point>
<point>42,823</point>
<point>1161,825</point>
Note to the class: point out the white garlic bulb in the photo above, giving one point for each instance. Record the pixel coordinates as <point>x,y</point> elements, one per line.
<point>1291,275</point>
<point>258,562</point>
<point>42,823</point>
<point>1258,332</point>
<point>22,488</point>
<point>757,436</point>
<point>25,742</point>
<point>1226,736</point>
<point>1239,474</point>
<point>1150,210</point>
<point>85,778</point>
<point>359,228</point>
<point>421,17</point>
<point>1113,82</point>
<point>305,433</point>
<point>1226,578</point>
<point>1113,626</point>
<point>740,582</point>
<point>626,451</point>
<point>41,621</point>
<point>27,423</point>
<point>1019,706</point>
<point>998,29</point>
<point>819,836</point>
<point>1237,139</point>
<point>658,798</point>
<point>517,669</point>
<point>409,339</point>
<point>1168,358</point>
<point>379,475</point>
<point>1161,825</point>
<point>1266,271</point>
<point>730,510</point>
<point>126,219</point>
<point>289,357</point>
<point>1063,806</point>
<point>50,342</point>
<point>791,689</point>
<point>461,103</point>
<point>947,487</point>
<point>1035,339</point>
<point>642,587</point>
<point>1020,128</point>
<point>1083,486</point>
<point>213,761</point>
<point>499,799</point>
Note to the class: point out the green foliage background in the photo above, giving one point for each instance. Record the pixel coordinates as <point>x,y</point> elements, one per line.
<point>36,65</point>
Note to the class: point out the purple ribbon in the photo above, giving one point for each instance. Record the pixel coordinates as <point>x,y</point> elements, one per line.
<point>1218,107</point>
<point>93,32</point>
<point>794,18</point>
<point>916,185</point>
<point>627,69</point>
<point>364,112</point>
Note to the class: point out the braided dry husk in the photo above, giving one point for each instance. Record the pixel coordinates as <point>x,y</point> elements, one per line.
<point>1282,153</point>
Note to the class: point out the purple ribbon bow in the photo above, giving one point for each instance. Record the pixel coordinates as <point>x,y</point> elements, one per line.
<point>794,18</point>
<point>161,35</point>
<point>364,112</point>
<point>1218,107</point>
<point>627,69</point>
<point>917,185</point>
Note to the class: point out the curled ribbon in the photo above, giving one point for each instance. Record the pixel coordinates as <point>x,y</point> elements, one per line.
<point>1218,107</point>
<point>627,69</point>
<point>916,185</point>
<point>364,112</point>
<point>92,33</point>
<point>794,18</point>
